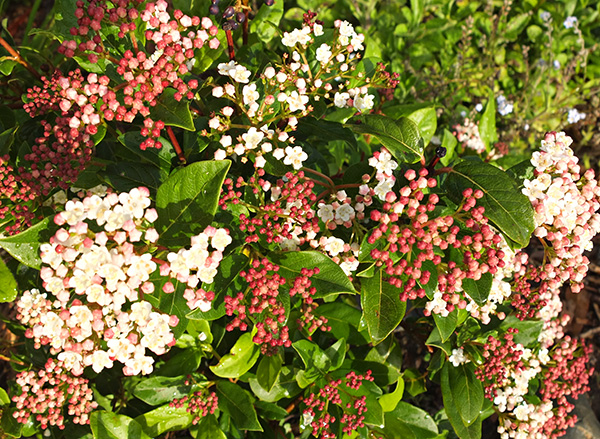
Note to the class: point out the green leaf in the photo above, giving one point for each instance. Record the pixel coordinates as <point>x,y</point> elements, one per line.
<point>487,123</point>
<point>453,406</point>
<point>515,26</point>
<point>107,425</point>
<point>401,137</point>
<point>446,325</point>
<point>478,290</point>
<point>409,422</point>
<point>9,425</point>
<point>265,23</point>
<point>239,360</point>
<point>521,171</point>
<point>330,280</point>
<point>414,382</point>
<point>425,117</point>
<point>163,419</point>
<point>316,362</point>
<point>7,65</point>
<point>449,142</point>
<point>159,389</point>
<point>8,284</point>
<point>4,398</point>
<point>188,200</point>
<point>172,112</point>
<point>435,339</point>
<point>125,176</point>
<point>208,428</point>
<point>183,363</point>
<point>286,386</point>
<point>529,330</point>
<point>343,320</point>
<point>382,308</point>
<point>467,390</point>
<point>268,371</point>
<point>268,410</point>
<point>161,157</point>
<point>336,353</point>
<point>174,304</point>
<point>238,404</point>
<point>390,401</point>
<point>323,131</point>
<point>25,247</point>
<point>504,204</point>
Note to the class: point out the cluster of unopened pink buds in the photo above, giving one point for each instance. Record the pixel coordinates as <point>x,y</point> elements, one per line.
<point>565,204</point>
<point>468,135</point>
<point>94,282</point>
<point>52,395</point>
<point>200,404</point>
<point>316,415</point>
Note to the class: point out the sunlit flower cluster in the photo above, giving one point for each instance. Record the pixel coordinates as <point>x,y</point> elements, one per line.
<point>468,135</point>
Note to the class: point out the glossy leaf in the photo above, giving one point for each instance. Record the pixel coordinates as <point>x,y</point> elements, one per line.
<point>160,389</point>
<point>435,339</point>
<point>208,428</point>
<point>390,401</point>
<point>237,403</point>
<point>382,308</point>
<point>330,280</point>
<point>400,137</point>
<point>343,320</point>
<point>8,284</point>
<point>265,23</point>
<point>187,201</point>
<point>174,304</point>
<point>466,389</point>
<point>163,419</point>
<point>239,360</point>
<point>487,123</point>
<point>125,176</point>
<point>478,290</point>
<point>453,408</point>
<point>268,371</point>
<point>286,386</point>
<point>161,157</point>
<point>504,204</point>
<point>409,422</point>
<point>446,325</point>
<point>107,425</point>
<point>25,247</point>
<point>172,112</point>
<point>316,362</point>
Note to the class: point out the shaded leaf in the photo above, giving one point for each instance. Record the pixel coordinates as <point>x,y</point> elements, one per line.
<point>478,290</point>
<point>172,112</point>
<point>237,403</point>
<point>451,406</point>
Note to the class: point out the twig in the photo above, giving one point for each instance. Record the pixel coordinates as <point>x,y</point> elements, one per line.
<point>176,144</point>
<point>17,57</point>
<point>5,358</point>
<point>590,333</point>
<point>230,45</point>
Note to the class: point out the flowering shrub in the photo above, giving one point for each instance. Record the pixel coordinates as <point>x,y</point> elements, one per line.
<point>220,228</point>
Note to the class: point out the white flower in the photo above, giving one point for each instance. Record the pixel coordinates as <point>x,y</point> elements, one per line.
<point>317,30</point>
<point>458,357</point>
<point>504,107</point>
<point>575,116</point>
<point>344,213</point>
<point>220,240</point>
<point>570,22</point>
<point>340,100</point>
<point>240,74</point>
<point>365,102</point>
<point>297,101</point>
<point>334,246</point>
<point>250,94</point>
<point>294,156</point>
<point>252,138</point>
<point>323,53</point>
<point>326,212</point>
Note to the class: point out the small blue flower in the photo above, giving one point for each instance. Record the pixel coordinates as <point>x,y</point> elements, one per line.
<point>570,22</point>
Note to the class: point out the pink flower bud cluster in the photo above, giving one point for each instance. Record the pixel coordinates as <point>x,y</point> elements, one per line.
<point>316,415</point>
<point>199,404</point>
<point>468,135</point>
<point>565,204</point>
<point>91,16</point>
<point>197,264</point>
<point>52,394</point>
<point>508,368</point>
<point>287,219</point>
<point>95,269</point>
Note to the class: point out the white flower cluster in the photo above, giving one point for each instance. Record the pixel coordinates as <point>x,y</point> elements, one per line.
<point>385,165</point>
<point>458,357</point>
<point>358,98</point>
<point>348,36</point>
<point>197,264</point>
<point>468,135</point>
<point>575,116</point>
<point>235,71</point>
<point>505,107</point>
<point>95,279</point>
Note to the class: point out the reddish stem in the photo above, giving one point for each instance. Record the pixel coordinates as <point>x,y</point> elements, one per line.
<point>230,45</point>
<point>175,143</point>
<point>17,57</point>
<point>245,30</point>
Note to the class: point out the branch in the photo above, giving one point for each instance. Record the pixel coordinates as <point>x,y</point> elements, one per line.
<point>18,58</point>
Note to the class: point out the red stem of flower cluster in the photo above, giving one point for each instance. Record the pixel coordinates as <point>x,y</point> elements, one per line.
<point>230,45</point>
<point>17,57</point>
<point>175,143</point>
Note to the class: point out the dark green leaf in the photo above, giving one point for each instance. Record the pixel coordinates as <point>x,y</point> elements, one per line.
<point>188,200</point>
<point>265,23</point>
<point>336,353</point>
<point>125,176</point>
<point>239,360</point>
<point>286,386</point>
<point>521,171</point>
<point>271,411</point>
<point>208,428</point>
<point>237,403</point>
<point>343,320</point>
<point>9,425</point>
<point>316,362</point>
<point>478,290</point>
<point>529,330</point>
<point>183,363</point>
<point>409,422</point>
<point>174,304</point>
<point>324,131</point>
<point>159,389</point>
<point>504,204</point>
<point>453,407</point>
<point>467,390</point>
<point>382,308</point>
<point>446,325</point>
<point>172,112</point>
<point>268,371</point>
<point>435,339</point>
<point>161,157</point>
<point>330,280</point>
<point>107,425</point>
<point>400,137</point>
<point>25,247</point>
